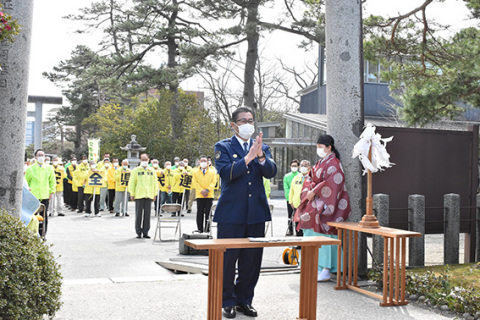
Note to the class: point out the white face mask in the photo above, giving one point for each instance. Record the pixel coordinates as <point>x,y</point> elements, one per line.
<point>168,166</point>
<point>321,153</point>
<point>93,166</point>
<point>245,131</point>
<point>144,163</point>
<point>125,167</point>
<point>115,164</point>
<point>294,169</point>
<point>74,162</point>
<point>176,164</point>
<point>303,170</point>
<point>55,163</point>
<point>85,161</point>
<point>107,165</point>
<point>47,162</point>
<point>40,159</point>
<point>155,165</point>
<point>203,165</point>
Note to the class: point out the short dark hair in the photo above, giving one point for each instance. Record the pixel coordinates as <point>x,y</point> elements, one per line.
<point>114,158</point>
<point>295,161</point>
<point>240,110</point>
<point>38,151</point>
<point>202,156</point>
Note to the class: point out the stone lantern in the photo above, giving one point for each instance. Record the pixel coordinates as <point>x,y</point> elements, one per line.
<point>133,152</point>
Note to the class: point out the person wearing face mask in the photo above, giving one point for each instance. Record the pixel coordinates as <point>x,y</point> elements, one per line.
<point>82,169</point>
<point>176,162</point>
<point>96,180</point>
<point>158,172</point>
<point>41,181</point>
<point>242,208</point>
<point>204,180</point>
<point>166,190</point>
<point>296,190</point>
<point>287,182</point>
<point>72,195</point>
<point>177,189</point>
<point>48,160</point>
<point>104,190</point>
<point>143,188</point>
<point>324,198</point>
<point>186,202</point>
<point>122,176</point>
<point>110,173</point>
<point>59,177</point>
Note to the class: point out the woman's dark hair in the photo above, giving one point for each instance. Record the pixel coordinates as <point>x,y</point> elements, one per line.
<point>328,141</point>
<point>295,161</point>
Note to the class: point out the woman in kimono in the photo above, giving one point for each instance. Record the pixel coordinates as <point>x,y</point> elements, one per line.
<point>324,199</point>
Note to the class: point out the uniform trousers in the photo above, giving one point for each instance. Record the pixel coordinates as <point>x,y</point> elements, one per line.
<point>80,199</point>
<point>185,203</point>
<point>57,202</point>
<point>74,200</point>
<point>66,192</point>
<point>177,198</point>
<point>121,204</point>
<point>143,209</point>
<point>103,197</point>
<point>203,211</point>
<point>111,199</point>
<point>166,198</point>
<point>290,218</point>
<point>96,203</point>
<point>241,290</point>
<point>44,225</point>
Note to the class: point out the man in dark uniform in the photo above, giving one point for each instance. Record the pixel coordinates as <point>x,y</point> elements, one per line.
<point>242,208</point>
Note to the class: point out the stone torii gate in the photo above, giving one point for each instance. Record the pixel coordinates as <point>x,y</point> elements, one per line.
<point>38,114</point>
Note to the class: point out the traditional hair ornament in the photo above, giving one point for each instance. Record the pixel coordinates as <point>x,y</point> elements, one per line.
<point>380,158</point>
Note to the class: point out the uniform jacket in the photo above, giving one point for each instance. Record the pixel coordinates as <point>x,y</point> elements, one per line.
<point>296,190</point>
<point>41,180</point>
<point>89,189</point>
<point>287,182</point>
<point>111,177</point>
<point>204,181</point>
<point>143,183</point>
<point>243,199</point>
<point>168,176</point>
<point>60,174</point>
<point>177,176</point>
<point>70,169</point>
<point>121,183</point>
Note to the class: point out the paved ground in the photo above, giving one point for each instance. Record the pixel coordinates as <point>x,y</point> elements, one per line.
<point>109,274</point>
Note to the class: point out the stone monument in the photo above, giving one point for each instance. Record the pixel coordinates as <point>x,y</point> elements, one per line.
<point>344,71</point>
<point>133,152</point>
<point>15,60</point>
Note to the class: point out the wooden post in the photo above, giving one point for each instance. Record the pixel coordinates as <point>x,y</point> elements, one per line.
<point>369,220</point>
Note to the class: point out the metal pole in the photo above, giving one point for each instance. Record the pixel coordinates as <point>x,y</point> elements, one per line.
<point>94,190</point>
<point>125,203</point>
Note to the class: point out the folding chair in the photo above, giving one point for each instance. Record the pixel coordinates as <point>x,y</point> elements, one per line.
<point>269,224</point>
<point>210,225</point>
<point>170,222</point>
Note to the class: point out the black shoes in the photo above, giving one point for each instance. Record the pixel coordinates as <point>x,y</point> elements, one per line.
<point>247,310</point>
<point>117,214</point>
<point>139,236</point>
<point>229,312</point>
<point>61,215</point>
<point>146,236</point>
<point>126,215</point>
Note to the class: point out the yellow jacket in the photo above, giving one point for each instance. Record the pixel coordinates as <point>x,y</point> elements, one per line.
<point>59,176</point>
<point>111,177</point>
<point>177,176</point>
<point>41,180</point>
<point>70,169</point>
<point>203,181</point>
<point>295,190</point>
<point>97,177</point>
<point>122,177</point>
<point>83,172</point>
<point>168,174</point>
<point>143,183</point>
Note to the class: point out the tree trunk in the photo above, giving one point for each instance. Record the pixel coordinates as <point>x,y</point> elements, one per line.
<point>176,121</point>
<point>14,59</point>
<point>252,54</point>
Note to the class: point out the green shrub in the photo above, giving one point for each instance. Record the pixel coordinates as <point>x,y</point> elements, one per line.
<point>30,279</point>
<point>438,289</point>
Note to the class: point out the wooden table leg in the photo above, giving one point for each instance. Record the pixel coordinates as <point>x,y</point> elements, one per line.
<point>308,283</point>
<point>215,284</point>
<point>339,261</point>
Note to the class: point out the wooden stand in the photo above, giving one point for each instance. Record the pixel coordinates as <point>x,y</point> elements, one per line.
<point>308,271</point>
<point>369,220</point>
<point>394,256</point>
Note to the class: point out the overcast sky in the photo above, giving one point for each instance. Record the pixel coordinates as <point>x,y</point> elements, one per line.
<point>53,37</point>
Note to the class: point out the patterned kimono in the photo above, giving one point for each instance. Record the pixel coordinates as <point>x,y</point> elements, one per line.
<point>331,202</point>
